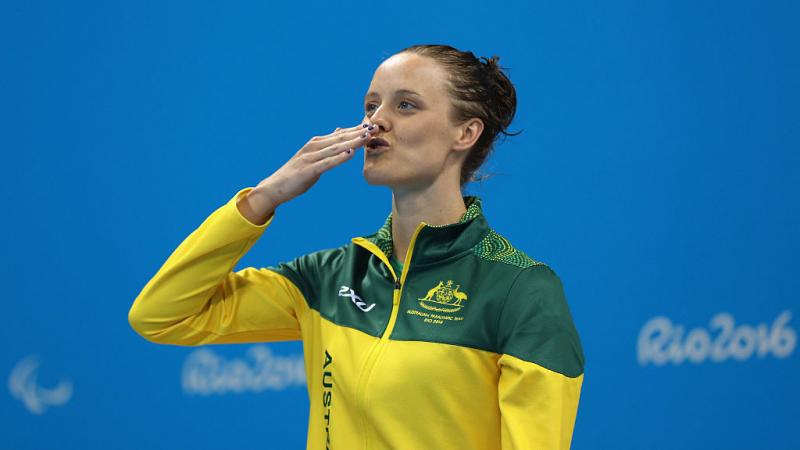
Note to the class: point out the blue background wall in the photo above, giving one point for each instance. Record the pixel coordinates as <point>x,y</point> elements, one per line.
<point>657,173</point>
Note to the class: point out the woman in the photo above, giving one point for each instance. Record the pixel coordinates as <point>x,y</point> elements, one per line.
<point>432,333</point>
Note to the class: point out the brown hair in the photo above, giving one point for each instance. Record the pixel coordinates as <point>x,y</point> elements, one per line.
<point>477,88</point>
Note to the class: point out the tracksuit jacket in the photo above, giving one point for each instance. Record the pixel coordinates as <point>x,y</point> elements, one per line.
<point>470,346</point>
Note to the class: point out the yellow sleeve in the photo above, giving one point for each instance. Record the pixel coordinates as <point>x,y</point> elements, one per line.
<point>541,364</point>
<point>196,298</point>
<point>537,406</point>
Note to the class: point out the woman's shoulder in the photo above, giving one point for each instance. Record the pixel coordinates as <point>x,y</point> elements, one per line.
<point>536,323</point>
<point>496,247</point>
<point>531,283</point>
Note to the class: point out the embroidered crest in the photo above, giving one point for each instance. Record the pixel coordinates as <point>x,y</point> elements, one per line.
<point>444,298</point>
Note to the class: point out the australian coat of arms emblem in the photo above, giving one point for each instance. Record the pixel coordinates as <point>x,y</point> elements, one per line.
<point>444,298</point>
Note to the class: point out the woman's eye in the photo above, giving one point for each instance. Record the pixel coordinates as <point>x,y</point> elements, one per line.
<point>369,106</point>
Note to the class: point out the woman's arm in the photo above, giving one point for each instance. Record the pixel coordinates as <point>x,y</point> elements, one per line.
<point>195,298</point>
<point>541,366</point>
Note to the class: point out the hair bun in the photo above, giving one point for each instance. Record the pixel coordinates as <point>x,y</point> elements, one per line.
<point>490,63</point>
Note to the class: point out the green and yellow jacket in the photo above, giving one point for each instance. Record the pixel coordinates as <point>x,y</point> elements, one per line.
<point>468,345</point>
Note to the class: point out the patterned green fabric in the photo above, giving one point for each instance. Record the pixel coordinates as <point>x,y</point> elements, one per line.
<point>492,247</point>
<point>497,248</point>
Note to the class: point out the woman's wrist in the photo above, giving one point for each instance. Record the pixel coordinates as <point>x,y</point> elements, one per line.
<point>257,205</point>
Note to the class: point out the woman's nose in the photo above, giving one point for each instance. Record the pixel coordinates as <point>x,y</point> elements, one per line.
<point>377,122</point>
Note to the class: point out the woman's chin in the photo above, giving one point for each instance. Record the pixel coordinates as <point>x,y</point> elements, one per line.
<point>374,179</point>
<point>376,176</point>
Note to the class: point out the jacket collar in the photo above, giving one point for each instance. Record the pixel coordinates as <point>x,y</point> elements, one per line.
<point>438,242</point>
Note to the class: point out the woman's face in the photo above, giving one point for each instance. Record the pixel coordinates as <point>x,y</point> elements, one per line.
<point>416,124</point>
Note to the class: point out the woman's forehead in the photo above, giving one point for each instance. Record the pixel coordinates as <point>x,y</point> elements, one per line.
<point>407,74</point>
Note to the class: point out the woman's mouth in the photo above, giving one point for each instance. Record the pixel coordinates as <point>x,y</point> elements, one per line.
<point>376,145</point>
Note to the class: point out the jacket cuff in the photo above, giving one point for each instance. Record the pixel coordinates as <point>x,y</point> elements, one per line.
<point>237,215</point>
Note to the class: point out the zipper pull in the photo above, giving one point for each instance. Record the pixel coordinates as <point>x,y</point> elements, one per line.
<point>397,284</point>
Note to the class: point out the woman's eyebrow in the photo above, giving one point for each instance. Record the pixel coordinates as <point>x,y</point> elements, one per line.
<point>396,93</point>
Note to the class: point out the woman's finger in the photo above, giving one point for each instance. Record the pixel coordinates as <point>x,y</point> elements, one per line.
<point>340,146</point>
<point>338,138</point>
<point>319,142</point>
<point>340,130</point>
<point>325,164</point>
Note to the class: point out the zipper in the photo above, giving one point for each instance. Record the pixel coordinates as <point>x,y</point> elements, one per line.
<point>397,293</point>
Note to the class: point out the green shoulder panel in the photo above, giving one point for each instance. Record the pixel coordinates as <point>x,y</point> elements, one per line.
<point>495,247</point>
<point>536,323</point>
<point>347,286</point>
<point>305,272</point>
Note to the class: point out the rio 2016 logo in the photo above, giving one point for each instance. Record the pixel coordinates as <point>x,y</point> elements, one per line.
<point>661,341</point>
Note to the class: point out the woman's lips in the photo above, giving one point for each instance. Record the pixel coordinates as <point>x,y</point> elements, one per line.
<point>376,150</point>
<point>376,145</point>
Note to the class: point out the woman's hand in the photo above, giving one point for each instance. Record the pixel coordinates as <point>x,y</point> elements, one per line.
<point>318,155</point>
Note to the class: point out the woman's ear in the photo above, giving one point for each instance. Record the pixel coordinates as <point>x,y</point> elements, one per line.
<point>467,134</point>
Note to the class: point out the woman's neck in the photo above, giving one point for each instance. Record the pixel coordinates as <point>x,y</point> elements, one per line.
<point>434,205</point>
